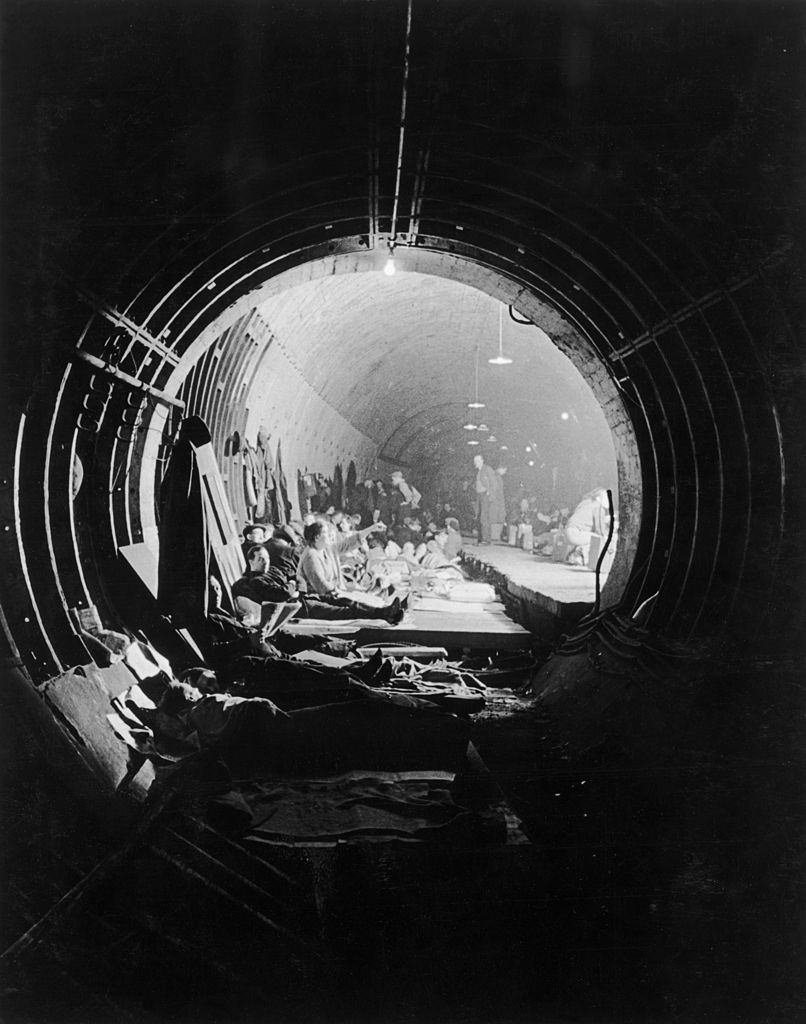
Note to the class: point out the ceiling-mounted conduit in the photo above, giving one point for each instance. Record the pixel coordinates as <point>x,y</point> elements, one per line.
<point>399,172</point>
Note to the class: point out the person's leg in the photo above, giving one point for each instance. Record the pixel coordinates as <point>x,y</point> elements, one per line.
<point>266,676</point>
<point>316,608</point>
<point>364,599</point>
<point>580,540</point>
<point>484,522</point>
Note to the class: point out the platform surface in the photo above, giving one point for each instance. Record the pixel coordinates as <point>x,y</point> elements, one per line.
<point>565,584</point>
<point>482,627</point>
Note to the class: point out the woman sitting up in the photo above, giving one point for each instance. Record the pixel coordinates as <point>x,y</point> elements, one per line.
<point>376,554</point>
<point>320,569</point>
<point>452,547</point>
<point>434,557</point>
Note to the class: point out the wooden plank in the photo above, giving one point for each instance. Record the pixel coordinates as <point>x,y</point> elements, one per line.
<point>482,631</point>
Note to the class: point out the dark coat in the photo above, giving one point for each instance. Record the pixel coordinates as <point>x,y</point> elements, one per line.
<point>184,556</point>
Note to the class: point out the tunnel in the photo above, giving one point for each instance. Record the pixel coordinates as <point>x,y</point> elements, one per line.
<point>201,201</point>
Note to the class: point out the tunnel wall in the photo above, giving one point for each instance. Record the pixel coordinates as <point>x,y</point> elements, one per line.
<point>645,223</point>
<point>247,386</point>
<point>259,380</point>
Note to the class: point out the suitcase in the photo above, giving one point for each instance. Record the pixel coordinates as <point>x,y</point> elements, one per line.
<point>597,543</point>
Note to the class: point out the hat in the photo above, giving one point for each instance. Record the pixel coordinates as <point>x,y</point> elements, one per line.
<point>252,526</point>
<point>398,474</point>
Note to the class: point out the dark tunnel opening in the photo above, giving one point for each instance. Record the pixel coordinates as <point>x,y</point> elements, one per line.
<point>199,204</point>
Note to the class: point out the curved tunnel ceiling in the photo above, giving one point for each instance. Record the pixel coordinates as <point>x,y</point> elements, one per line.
<point>398,354</point>
<point>553,156</point>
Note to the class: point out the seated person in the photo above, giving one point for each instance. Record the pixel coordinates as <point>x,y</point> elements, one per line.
<point>588,518</point>
<point>415,526</point>
<point>264,582</point>
<point>402,534</point>
<point>253,533</point>
<point>453,543</point>
<point>434,557</point>
<point>376,557</point>
<point>222,627</point>
<point>408,553</point>
<point>284,550</point>
<point>227,643</point>
<point>320,566</point>
<point>376,547</point>
<point>543,538</point>
<point>242,658</point>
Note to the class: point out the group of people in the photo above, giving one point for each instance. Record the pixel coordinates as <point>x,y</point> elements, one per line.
<point>335,567</point>
<point>578,526</point>
<point>332,562</point>
<point>332,718</point>
<point>374,500</point>
<point>308,569</point>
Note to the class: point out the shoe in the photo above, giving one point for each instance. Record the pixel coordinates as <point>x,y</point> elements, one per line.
<point>370,668</point>
<point>394,612</point>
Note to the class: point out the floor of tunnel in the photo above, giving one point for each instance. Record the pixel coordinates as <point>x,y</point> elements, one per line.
<point>662,883</point>
<point>668,891</point>
<point>557,581</point>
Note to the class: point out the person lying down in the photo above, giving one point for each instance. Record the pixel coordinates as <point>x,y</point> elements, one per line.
<point>372,730</point>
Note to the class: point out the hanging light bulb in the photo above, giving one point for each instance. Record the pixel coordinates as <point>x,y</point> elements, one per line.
<point>476,404</point>
<point>500,359</point>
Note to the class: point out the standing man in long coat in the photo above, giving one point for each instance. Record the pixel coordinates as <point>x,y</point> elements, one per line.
<point>486,486</point>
